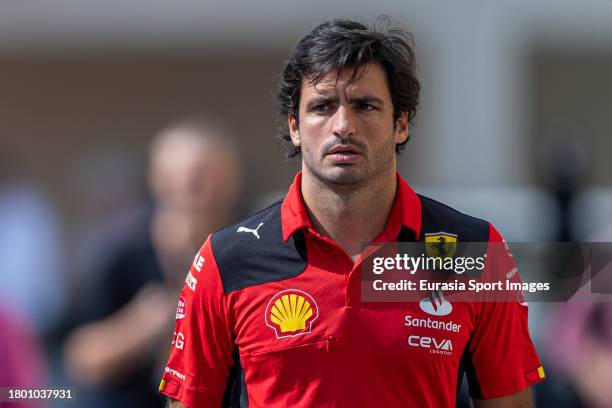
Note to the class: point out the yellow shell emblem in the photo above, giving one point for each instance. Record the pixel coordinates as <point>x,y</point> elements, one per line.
<point>291,313</point>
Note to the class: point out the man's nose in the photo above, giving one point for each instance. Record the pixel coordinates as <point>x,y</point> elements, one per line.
<point>343,122</point>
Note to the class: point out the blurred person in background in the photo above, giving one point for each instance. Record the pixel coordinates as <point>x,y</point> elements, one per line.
<point>32,292</point>
<point>112,210</point>
<point>576,335</point>
<point>22,359</point>
<point>580,352</point>
<point>31,249</point>
<point>194,178</point>
<point>579,333</point>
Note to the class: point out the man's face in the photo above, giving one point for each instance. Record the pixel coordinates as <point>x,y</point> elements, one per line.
<point>346,130</point>
<point>194,182</point>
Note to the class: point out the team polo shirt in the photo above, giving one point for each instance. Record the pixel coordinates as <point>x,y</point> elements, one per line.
<point>271,316</point>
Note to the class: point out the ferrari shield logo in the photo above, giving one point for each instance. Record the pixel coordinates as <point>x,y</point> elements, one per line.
<point>440,244</point>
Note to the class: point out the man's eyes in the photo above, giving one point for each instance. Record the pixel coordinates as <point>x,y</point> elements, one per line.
<point>365,107</point>
<point>323,107</point>
<point>327,107</point>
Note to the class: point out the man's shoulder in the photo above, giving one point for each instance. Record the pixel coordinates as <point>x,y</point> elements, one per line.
<point>441,218</point>
<point>260,225</point>
<point>253,252</point>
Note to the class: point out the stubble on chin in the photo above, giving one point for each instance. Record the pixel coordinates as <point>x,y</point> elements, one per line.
<point>346,176</point>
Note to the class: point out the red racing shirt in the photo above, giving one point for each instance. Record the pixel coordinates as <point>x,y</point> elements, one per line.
<point>271,316</point>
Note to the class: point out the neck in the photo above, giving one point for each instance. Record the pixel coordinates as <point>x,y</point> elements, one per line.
<point>349,214</point>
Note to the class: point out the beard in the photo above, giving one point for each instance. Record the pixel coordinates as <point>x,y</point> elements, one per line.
<point>353,176</point>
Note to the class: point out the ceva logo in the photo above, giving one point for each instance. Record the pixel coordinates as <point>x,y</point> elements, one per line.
<point>444,346</point>
<point>436,305</point>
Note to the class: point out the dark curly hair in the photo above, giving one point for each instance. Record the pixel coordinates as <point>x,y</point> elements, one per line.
<point>340,44</point>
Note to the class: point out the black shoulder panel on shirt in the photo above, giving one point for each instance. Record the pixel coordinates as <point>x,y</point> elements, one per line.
<point>437,217</point>
<point>253,252</point>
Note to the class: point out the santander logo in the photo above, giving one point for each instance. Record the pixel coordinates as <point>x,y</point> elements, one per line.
<point>436,305</point>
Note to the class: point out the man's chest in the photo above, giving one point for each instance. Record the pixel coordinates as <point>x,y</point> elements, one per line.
<point>316,315</point>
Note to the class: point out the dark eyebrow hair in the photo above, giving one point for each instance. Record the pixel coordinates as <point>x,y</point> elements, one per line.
<point>321,99</point>
<point>367,99</point>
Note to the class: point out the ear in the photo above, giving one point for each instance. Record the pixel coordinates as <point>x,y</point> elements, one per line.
<point>401,128</point>
<point>294,130</point>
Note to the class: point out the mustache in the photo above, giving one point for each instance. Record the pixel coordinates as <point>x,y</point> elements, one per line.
<point>355,144</point>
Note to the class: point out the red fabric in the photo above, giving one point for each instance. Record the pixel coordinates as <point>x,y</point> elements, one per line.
<point>201,355</point>
<point>406,211</point>
<point>349,353</point>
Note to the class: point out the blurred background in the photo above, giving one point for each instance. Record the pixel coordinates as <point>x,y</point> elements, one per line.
<point>108,110</point>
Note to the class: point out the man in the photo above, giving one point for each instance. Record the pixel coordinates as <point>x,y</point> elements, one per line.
<point>277,319</point>
<point>194,178</point>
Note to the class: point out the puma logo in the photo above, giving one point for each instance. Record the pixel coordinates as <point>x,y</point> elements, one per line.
<point>252,231</point>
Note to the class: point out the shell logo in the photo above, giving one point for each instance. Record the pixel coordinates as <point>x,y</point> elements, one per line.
<point>291,313</point>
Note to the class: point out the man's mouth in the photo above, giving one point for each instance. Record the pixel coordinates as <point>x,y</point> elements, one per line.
<point>344,154</point>
<point>344,150</point>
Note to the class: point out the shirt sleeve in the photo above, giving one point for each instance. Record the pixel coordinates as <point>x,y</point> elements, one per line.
<point>500,357</point>
<point>201,352</point>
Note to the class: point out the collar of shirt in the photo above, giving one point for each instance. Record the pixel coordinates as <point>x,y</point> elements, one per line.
<point>406,211</point>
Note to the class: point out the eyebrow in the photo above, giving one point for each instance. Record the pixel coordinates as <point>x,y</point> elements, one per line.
<point>361,99</point>
<point>367,99</point>
<point>321,99</point>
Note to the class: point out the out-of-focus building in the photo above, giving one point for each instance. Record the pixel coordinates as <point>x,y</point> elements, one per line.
<point>494,77</point>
